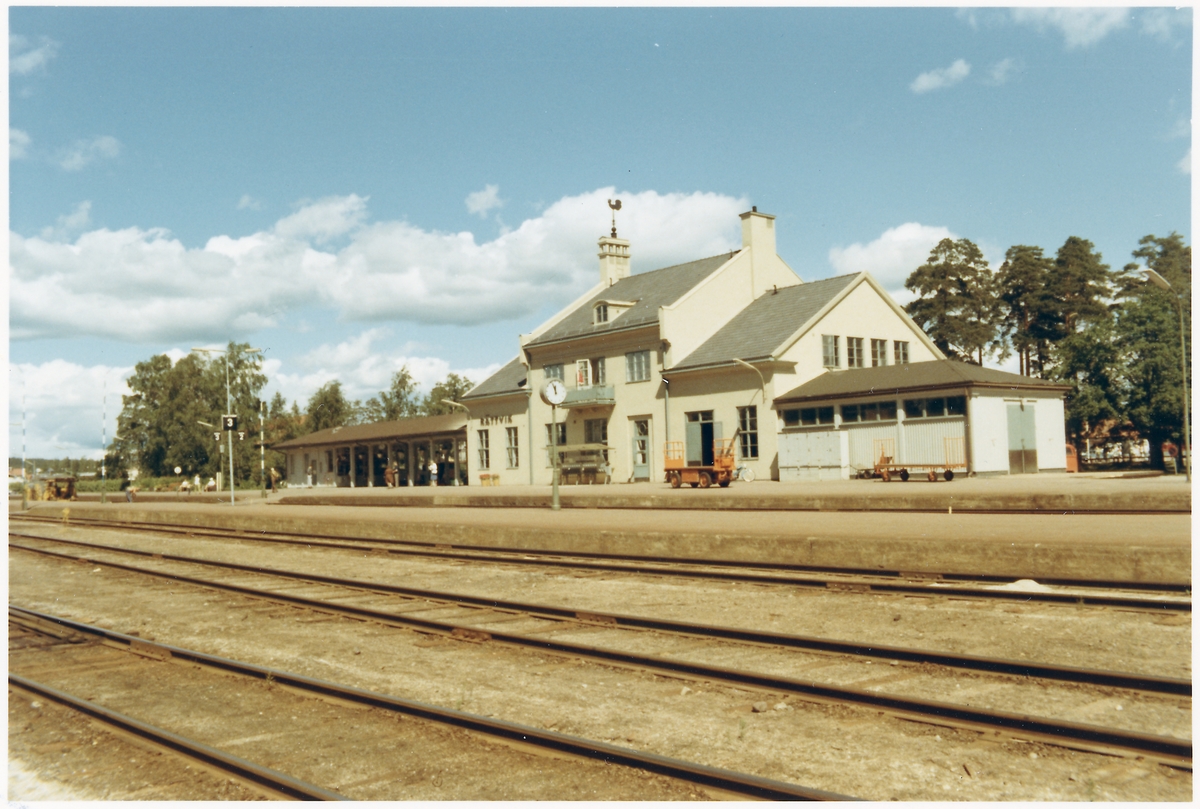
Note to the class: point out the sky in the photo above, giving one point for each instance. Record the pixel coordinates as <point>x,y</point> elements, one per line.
<point>358,190</point>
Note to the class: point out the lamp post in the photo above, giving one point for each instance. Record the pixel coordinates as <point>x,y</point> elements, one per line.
<point>228,409</point>
<point>262,448</point>
<point>1162,283</point>
<point>761,381</point>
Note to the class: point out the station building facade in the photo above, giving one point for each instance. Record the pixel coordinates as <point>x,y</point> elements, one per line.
<point>689,353</point>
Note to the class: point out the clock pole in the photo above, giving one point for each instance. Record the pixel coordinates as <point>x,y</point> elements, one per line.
<point>554,479</point>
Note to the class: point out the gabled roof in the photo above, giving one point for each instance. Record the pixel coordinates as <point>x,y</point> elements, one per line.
<point>509,379</point>
<point>893,380</point>
<point>650,290</point>
<point>379,431</point>
<point>762,328</point>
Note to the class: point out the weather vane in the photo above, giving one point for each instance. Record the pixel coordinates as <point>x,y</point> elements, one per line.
<point>616,206</point>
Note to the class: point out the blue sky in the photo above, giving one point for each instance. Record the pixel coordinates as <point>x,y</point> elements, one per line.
<point>353,190</point>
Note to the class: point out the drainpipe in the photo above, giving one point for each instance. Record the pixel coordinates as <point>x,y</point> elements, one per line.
<point>529,413</point>
<point>967,427</point>
<point>666,408</point>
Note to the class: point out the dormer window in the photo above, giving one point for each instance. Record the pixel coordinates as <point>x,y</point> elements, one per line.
<point>607,311</point>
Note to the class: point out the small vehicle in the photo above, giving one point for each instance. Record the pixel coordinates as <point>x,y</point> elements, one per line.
<point>680,472</point>
<point>61,487</point>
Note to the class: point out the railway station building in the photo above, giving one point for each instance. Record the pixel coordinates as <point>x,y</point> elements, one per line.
<point>425,451</point>
<point>921,417</point>
<point>684,355</point>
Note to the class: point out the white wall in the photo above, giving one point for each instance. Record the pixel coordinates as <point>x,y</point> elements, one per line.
<point>1051,434</point>
<point>989,434</point>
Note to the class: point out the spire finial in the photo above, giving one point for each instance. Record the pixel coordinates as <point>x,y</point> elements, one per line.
<point>616,206</point>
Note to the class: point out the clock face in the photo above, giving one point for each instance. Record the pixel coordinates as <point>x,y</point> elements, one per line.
<point>554,392</point>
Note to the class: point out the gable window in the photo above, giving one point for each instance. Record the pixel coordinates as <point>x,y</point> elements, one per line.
<point>637,366</point>
<point>878,353</point>
<point>854,352</point>
<point>829,351</point>
<point>901,351</point>
<point>553,372</point>
<point>485,456</point>
<point>514,458</point>
<point>748,430</point>
<point>601,313</point>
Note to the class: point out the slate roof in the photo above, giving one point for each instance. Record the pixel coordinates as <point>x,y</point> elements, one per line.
<point>650,290</point>
<point>379,431</point>
<point>509,379</point>
<point>761,328</point>
<point>897,379</point>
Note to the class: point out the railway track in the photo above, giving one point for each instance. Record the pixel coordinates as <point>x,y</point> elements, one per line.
<point>89,655</point>
<point>472,618</point>
<point>1125,595</point>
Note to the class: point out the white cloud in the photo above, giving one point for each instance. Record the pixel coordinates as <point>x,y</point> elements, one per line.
<point>1161,23</point>
<point>1000,72</point>
<point>25,57</point>
<point>941,77</point>
<point>84,152</point>
<point>1080,27</point>
<point>71,223</point>
<point>480,202</point>
<point>248,201</point>
<point>1185,165</point>
<point>892,257</point>
<point>64,407</point>
<point>151,288</point>
<point>18,144</point>
<point>364,370</point>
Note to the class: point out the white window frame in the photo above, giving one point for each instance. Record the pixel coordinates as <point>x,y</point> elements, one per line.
<point>554,372</point>
<point>900,350</point>
<point>748,432</point>
<point>854,352</point>
<point>878,352</point>
<point>829,351</point>
<point>485,453</point>
<point>514,455</point>
<point>583,373</point>
<point>637,366</point>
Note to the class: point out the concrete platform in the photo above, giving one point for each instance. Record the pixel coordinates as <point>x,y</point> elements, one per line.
<point>1045,493</point>
<point>915,535</point>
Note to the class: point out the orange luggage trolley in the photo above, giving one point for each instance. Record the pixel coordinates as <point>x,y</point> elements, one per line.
<point>679,472</point>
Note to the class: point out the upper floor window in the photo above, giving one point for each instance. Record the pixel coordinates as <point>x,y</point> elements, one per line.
<point>901,351</point>
<point>554,372</point>
<point>637,366</point>
<point>589,373</point>
<point>829,351</point>
<point>878,353</point>
<point>601,313</point>
<point>854,352</point>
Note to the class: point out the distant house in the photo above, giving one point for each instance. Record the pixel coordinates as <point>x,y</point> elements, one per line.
<point>940,412</point>
<point>691,353</point>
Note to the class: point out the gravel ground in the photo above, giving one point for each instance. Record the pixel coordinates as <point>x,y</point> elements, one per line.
<point>830,747</point>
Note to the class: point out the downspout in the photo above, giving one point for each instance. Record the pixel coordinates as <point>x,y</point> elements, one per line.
<point>529,413</point>
<point>969,426</point>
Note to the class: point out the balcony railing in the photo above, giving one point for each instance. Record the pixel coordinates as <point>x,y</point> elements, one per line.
<point>594,396</point>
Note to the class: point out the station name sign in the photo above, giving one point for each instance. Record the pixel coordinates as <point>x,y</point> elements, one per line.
<point>485,421</point>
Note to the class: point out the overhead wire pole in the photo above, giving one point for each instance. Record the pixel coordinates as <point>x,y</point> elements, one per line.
<point>103,442</point>
<point>262,451</point>
<point>227,423</point>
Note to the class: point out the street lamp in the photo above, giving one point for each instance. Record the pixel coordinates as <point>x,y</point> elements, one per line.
<point>1162,283</point>
<point>228,408</point>
<point>762,381</point>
